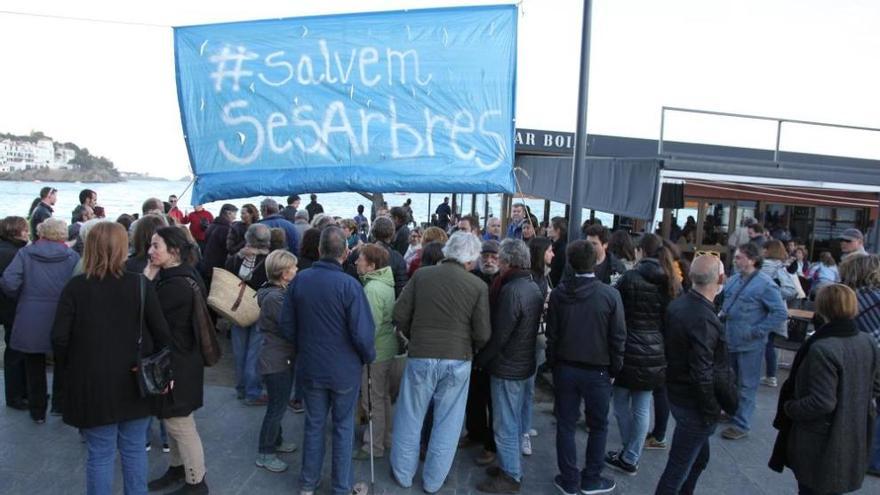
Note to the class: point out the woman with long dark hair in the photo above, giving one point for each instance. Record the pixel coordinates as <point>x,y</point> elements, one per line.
<point>98,334</point>
<point>172,259</point>
<point>141,240</point>
<point>541,254</point>
<point>558,233</point>
<point>235,238</point>
<point>646,291</point>
<point>621,245</point>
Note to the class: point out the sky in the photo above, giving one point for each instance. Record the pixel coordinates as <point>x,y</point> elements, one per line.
<point>111,87</point>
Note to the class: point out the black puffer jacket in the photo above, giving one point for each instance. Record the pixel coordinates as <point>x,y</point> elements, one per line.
<point>643,291</point>
<point>510,352</point>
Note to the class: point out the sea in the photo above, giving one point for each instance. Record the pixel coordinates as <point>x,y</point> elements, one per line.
<point>126,197</point>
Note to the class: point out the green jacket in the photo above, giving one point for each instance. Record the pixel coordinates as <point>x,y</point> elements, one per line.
<point>379,288</point>
<point>444,311</point>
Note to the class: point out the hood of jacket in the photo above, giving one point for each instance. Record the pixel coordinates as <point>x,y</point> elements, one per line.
<point>267,290</point>
<point>383,275</point>
<point>770,267</point>
<point>49,251</point>
<point>651,271</point>
<point>222,220</point>
<point>573,289</point>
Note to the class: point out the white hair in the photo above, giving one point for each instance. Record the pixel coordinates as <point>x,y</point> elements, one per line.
<point>462,247</point>
<point>52,229</point>
<point>514,253</point>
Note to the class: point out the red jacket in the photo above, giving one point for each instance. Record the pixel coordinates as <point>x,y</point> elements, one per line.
<point>194,219</point>
<point>176,214</point>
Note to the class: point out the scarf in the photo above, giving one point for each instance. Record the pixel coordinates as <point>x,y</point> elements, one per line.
<point>839,328</point>
<point>498,283</point>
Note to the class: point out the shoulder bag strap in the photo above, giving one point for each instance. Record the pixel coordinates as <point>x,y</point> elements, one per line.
<point>141,285</point>
<point>740,291</point>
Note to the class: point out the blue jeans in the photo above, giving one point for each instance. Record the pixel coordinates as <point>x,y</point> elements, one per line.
<point>874,460</point>
<point>246,343</point>
<point>571,387</point>
<point>747,366</point>
<point>689,453</point>
<point>340,402</point>
<point>508,401</point>
<point>528,402</point>
<point>278,387</point>
<point>443,382</point>
<point>163,435</point>
<point>102,443</point>
<point>632,408</point>
<point>771,359</point>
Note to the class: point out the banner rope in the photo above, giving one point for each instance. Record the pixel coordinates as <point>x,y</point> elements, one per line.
<point>84,19</point>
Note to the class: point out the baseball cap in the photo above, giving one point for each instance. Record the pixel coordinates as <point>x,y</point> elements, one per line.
<point>490,246</point>
<point>852,235</point>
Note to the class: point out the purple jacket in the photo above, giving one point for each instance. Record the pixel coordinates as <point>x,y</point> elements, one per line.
<point>36,277</point>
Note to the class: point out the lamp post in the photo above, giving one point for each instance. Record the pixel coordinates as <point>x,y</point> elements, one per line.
<point>580,145</point>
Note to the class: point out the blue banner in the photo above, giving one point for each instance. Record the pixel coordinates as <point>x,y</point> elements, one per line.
<point>409,101</point>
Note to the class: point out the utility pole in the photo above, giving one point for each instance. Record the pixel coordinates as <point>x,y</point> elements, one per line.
<point>580,146</point>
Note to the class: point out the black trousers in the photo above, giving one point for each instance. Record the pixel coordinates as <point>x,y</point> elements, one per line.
<point>13,370</point>
<point>37,388</point>
<point>478,412</point>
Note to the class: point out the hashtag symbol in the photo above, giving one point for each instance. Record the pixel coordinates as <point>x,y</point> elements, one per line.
<point>237,59</point>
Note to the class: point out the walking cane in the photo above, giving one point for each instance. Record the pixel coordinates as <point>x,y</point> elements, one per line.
<point>370,419</point>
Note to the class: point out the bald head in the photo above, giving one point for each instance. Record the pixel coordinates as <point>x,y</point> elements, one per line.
<point>705,271</point>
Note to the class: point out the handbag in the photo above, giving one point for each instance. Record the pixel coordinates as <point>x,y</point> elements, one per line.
<point>205,333</point>
<point>153,372</point>
<point>232,298</point>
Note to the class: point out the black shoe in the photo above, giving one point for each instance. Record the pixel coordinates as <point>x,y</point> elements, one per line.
<point>613,460</point>
<point>493,471</point>
<point>19,404</point>
<point>173,476</point>
<point>499,484</point>
<point>200,488</point>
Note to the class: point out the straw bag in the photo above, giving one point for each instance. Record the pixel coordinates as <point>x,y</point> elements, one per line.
<point>233,298</point>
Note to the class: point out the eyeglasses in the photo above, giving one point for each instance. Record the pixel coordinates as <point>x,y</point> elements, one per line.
<point>707,253</point>
<point>846,240</point>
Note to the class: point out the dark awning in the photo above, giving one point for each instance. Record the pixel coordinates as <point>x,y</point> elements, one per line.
<point>625,187</point>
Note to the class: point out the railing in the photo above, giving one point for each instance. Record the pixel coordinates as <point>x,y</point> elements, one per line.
<point>779,123</point>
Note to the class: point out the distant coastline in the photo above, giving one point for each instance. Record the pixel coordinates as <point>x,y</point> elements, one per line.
<point>67,175</point>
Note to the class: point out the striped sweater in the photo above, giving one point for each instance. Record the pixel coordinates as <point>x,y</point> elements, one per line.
<point>868,320</point>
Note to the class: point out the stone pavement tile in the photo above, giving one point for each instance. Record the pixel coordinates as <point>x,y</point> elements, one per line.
<point>49,458</point>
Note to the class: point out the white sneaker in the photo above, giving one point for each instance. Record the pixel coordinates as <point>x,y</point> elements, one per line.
<point>526,445</point>
<point>533,432</point>
<point>769,381</point>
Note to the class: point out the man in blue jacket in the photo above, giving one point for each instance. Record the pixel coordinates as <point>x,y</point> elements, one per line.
<point>327,317</point>
<point>273,220</point>
<point>752,307</point>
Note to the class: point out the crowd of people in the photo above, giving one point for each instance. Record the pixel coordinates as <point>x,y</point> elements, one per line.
<point>437,333</point>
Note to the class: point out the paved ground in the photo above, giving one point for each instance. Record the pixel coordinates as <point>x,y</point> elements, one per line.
<point>49,458</point>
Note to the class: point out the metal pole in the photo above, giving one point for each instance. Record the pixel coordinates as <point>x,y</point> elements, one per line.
<point>580,145</point>
<point>429,209</point>
<point>778,138</point>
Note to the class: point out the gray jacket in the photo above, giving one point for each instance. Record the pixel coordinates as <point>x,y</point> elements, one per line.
<point>833,414</point>
<point>277,353</point>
